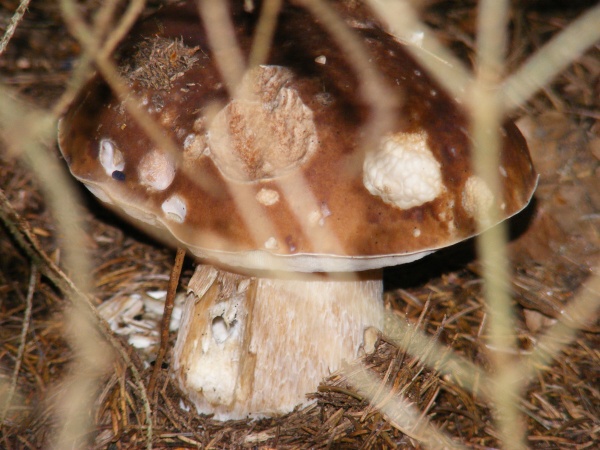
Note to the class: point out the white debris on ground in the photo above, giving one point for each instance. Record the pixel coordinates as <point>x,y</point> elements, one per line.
<point>138,317</point>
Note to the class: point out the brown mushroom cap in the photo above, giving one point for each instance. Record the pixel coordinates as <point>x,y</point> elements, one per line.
<point>316,138</point>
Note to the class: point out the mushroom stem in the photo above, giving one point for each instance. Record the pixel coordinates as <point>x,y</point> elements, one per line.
<point>256,346</point>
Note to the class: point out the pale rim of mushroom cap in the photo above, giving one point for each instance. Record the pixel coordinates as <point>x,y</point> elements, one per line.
<point>259,260</point>
<point>263,260</point>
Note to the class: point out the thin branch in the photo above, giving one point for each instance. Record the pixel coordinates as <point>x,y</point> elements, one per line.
<point>14,23</point>
<point>166,319</point>
<point>265,29</point>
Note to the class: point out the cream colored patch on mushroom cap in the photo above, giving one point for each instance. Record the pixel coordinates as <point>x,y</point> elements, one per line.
<point>265,131</point>
<point>156,170</point>
<point>110,157</point>
<point>402,171</point>
<point>446,216</point>
<point>477,198</point>
<point>175,208</point>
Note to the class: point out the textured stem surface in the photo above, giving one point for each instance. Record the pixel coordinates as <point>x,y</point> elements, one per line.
<point>256,346</point>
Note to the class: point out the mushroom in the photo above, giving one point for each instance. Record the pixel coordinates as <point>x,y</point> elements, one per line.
<point>292,221</point>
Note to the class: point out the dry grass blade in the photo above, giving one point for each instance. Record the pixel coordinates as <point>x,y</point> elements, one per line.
<point>219,28</point>
<point>265,29</point>
<point>9,396</point>
<point>486,119</point>
<point>86,311</point>
<point>374,90</point>
<point>550,60</point>
<point>62,199</point>
<point>581,311</point>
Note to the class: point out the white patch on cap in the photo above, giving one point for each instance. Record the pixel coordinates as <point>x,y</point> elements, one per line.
<point>403,172</point>
<point>175,208</point>
<point>503,171</point>
<point>271,244</point>
<point>267,197</point>
<point>477,198</point>
<point>156,170</point>
<point>110,157</point>
<point>416,232</point>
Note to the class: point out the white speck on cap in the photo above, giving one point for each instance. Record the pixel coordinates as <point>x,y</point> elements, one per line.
<point>156,170</point>
<point>110,157</point>
<point>317,217</point>
<point>175,208</point>
<point>271,244</point>
<point>446,215</point>
<point>267,197</point>
<point>403,172</point>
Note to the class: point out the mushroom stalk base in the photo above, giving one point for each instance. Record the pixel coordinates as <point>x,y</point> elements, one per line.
<point>254,347</point>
